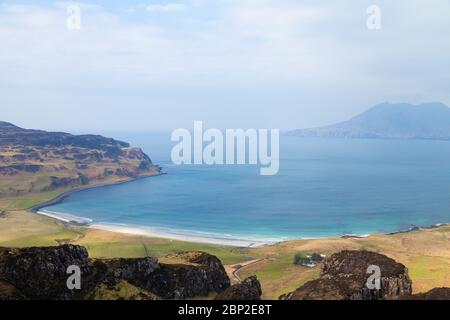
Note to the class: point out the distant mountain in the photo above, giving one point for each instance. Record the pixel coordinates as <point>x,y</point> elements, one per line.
<point>390,121</point>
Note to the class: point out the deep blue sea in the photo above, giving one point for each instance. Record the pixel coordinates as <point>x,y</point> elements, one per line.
<point>325,187</point>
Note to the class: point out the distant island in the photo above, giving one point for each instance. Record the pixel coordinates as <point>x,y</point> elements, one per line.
<point>390,121</point>
<point>36,165</point>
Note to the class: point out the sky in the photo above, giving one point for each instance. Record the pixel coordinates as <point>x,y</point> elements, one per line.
<point>161,65</point>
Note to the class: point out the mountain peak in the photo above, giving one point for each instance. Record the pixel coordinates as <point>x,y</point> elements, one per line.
<point>391,121</point>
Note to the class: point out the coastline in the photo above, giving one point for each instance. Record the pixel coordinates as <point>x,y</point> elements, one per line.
<point>176,235</point>
<point>60,198</point>
<point>203,237</point>
<point>180,235</point>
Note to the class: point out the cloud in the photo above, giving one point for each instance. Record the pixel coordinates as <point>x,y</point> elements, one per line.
<point>295,64</point>
<point>170,7</point>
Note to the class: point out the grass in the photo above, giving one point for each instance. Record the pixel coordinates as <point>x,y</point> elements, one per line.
<point>121,291</point>
<point>428,271</point>
<point>28,201</point>
<point>308,276</point>
<point>275,268</point>
<point>124,246</point>
<point>45,240</point>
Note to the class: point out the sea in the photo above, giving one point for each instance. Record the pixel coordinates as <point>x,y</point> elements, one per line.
<point>324,188</point>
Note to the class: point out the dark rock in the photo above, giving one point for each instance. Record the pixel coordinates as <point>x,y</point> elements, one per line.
<point>191,274</point>
<point>9,292</point>
<point>249,289</point>
<point>344,277</point>
<point>40,273</point>
<point>135,270</point>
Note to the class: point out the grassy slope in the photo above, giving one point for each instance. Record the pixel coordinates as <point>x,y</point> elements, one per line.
<point>426,253</point>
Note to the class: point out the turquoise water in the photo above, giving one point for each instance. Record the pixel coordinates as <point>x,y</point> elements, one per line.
<point>325,187</point>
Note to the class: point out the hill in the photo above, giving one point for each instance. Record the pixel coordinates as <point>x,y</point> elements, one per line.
<point>390,121</point>
<point>36,161</point>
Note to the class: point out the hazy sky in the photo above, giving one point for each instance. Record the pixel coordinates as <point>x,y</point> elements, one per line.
<point>152,65</point>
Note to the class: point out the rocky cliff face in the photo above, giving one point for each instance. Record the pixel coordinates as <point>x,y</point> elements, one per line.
<point>249,289</point>
<point>189,274</point>
<point>344,277</point>
<point>40,273</point>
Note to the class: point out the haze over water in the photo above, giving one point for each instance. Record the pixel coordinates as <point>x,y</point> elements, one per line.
<point>325,187</point>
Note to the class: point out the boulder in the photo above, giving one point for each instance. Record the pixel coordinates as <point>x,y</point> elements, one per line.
<point>40,273</point>
<point>249,289</point>
<point>188,275</point>
<point>135,270</point>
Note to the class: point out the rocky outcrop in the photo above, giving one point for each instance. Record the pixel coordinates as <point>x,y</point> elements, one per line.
<point>189,275</point>
<point>345,275</point>
<point>131,270</point>
<point>41,273</point>
<point>249,289</point>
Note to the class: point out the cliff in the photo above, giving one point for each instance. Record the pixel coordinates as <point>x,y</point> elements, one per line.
<point>247,290</point>
<point>40,274</point>
<point>36,161</point>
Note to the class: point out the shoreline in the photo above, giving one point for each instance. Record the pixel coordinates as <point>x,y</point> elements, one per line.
<point>60,198</point>
<point>181,235</point>
<point>175,235</point>
<point>163,233</point>
<point>204,237</point>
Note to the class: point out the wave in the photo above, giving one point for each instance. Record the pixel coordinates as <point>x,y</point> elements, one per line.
<point>189,235</point>
<point>65,217</point>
